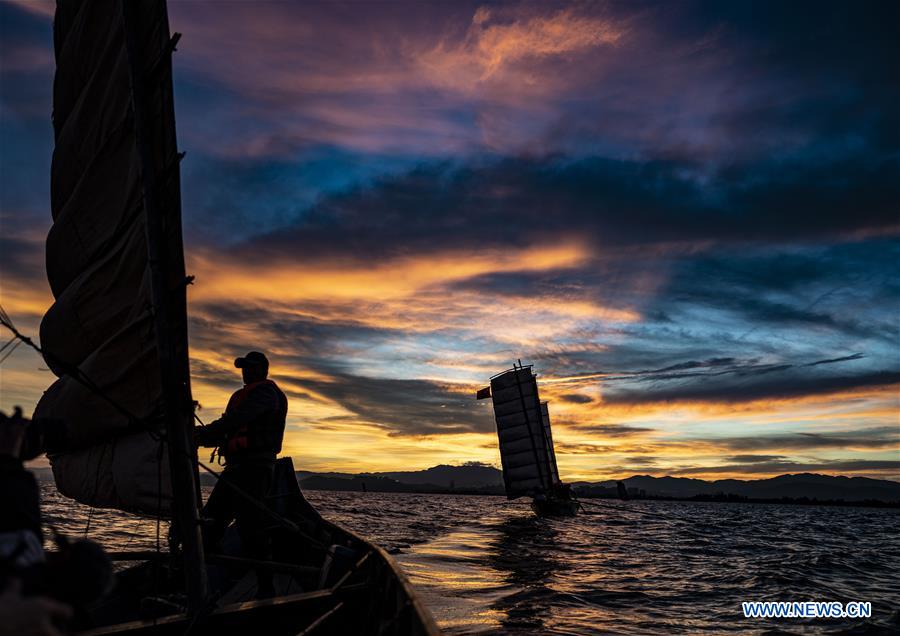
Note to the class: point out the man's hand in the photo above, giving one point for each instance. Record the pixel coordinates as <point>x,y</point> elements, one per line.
<point>207,436</point>
<point>12,432</point>
<point>30,615</point>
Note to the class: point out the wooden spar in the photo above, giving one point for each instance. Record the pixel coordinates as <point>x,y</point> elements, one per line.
<point>537,459</point>
<point>220,559</point>
<point>274,566</point>
<point>324,617</point>
<point>175,373</point>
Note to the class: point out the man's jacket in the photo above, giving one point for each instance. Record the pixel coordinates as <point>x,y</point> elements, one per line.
<point>252,427</point>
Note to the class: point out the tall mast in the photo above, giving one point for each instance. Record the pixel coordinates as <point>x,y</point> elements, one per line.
<point>171,344</point>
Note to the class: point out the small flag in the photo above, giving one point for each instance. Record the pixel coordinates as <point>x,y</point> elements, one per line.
<point>483,393</point>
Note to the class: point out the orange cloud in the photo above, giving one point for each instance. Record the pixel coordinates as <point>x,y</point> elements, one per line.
<point>46,8</point>
<point>401,277</point>
<point>410,294</point>
<point>493,49</point>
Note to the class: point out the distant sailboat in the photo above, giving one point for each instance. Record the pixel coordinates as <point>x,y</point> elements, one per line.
<point>526,443</point>
<point>116,337</point>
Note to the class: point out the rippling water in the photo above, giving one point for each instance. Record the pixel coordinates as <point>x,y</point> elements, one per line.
<point>483,564</point>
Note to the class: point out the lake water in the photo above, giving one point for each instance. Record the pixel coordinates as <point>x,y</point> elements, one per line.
<point>483,564</point>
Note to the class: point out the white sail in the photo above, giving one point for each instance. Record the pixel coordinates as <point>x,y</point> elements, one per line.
<point>524,451</point>
<point>100,329</point>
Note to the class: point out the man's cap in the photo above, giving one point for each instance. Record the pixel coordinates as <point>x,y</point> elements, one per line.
<point>252,359</point>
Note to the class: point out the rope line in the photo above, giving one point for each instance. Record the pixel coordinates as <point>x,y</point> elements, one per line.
<point>624,509</point>
<point>10,352</point>
<point>9,342</point>
<point>71,370</point>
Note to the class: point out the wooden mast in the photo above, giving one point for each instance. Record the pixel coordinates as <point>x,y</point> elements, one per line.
<point>171,344</point>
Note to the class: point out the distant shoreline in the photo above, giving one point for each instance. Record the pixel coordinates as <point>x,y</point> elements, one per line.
<point>788,501</point>
<point>803,489</point>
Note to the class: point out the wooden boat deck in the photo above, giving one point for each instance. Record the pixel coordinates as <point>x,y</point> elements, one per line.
<point>316,594</point>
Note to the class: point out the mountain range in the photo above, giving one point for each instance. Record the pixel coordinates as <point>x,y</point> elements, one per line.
<point>484,479</point>
<point>476,478</point>
<point>797,486</point>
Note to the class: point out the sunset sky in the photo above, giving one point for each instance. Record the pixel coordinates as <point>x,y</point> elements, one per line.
<point>684,214</point>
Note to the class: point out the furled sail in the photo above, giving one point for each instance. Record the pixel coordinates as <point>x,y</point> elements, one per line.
<point>523,427</point>
<point>99,336</point>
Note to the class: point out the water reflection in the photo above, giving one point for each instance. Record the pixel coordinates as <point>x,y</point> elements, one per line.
<point>524,552</point>
<point>485,565</point>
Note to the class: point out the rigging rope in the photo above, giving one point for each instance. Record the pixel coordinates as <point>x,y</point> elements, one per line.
<point>10,352</point>
<point>71,370</point>
<point>625,509</point>
<point>8,342</point>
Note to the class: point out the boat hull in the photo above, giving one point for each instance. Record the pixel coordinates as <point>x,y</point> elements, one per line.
<point>332,582</point>
<point>555,507</point>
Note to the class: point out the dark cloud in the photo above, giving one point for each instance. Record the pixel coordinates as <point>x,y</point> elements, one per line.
<point>576,398</point>
<point>871,438</point>
<point>888,467</point>
<point>645,460</point>
<point>693,364</point>
<point>518,202</point>
<point>781,387</point>
<point>403,407</point>
<point>215,375</point>
<point>21,260</point>
<point>753,459</point>
<point>838,56</point>
<point>791,288</point>
<point>696,369</point>
<point>237,327</point>
<point>26,77</point>
<point>855,356</point>
<point>757,323</point>
<point>727,373</point>
<point>610,430</point>
<point>566,448</point>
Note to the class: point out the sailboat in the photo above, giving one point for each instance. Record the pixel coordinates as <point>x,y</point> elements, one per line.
<point>116,338</point>
<point>526,443</point>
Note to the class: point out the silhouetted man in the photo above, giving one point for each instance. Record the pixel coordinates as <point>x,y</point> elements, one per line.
<point>249,436</point>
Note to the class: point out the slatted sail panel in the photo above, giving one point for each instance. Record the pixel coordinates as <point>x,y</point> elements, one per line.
<point>101,327</point>
<point>548,440</point>
<point>527,467</point>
